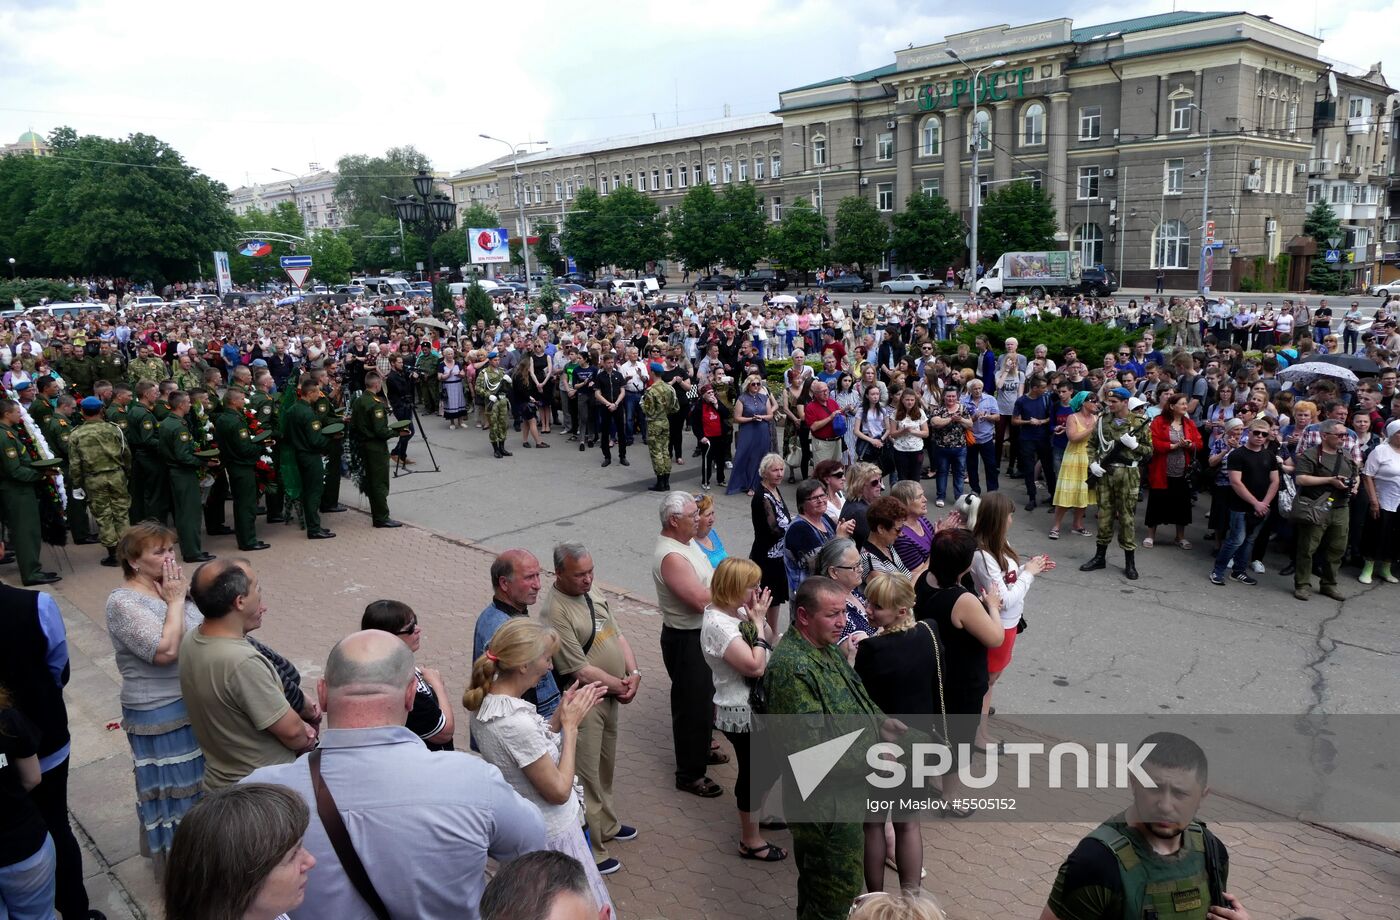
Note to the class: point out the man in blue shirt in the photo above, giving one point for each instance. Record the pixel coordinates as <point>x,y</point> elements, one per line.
<point>515,576</point>
<point>1033,416</point>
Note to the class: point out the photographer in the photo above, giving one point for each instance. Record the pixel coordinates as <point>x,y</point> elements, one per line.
<point>401,384</point>
<point>1325,474</point>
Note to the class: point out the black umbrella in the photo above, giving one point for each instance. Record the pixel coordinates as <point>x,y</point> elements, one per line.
<point>1355,363</point>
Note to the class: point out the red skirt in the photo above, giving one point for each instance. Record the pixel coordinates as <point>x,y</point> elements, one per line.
<point>998,658</point>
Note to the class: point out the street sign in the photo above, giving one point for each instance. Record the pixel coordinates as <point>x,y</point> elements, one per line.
<point>1333,255</point>
<point>1218,244</point>
<point>297,268</point>
<point>1334,242</point>
<point>1210,231</point>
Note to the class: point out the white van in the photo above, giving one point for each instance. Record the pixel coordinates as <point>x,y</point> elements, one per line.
<point>646,287</point>
<point>459,288</point>
<point>384,286</point>
<point>72,310</point>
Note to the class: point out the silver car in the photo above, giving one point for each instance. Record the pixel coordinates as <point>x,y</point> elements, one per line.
<point>910,283</point>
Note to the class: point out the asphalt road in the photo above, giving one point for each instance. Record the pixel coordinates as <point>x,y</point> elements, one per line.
<point>1169,643</point>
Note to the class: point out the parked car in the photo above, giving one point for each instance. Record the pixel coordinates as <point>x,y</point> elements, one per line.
<point>457,288</point>
<point>577,278</point>
<point>507,287</point>
<point>1387,291</point>
<point>1098,281</point>
<point>69,310</point>
<point>601,283</point>
<point>716,283</point>
<point>148,300</point>
<point>567,289</point>
<point>910,283</point>
<point>772,279</point>
<point>847,284</point>
<point>659,278</point>
<point>421,287</point>
<point>646,287</point>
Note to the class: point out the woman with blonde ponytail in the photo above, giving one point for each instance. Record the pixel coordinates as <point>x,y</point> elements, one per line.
<point>536,757</point>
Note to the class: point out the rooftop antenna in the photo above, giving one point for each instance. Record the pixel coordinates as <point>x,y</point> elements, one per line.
<point>676,85</point>
<point>726,110</point>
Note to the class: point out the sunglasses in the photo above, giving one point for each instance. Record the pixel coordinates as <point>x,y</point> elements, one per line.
<point>408,628</point>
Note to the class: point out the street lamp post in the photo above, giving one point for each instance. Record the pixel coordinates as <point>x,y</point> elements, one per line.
<point>519,196</point>
<point>1205,204</point>
<point>296,191</point>
<point>976,151</point>
<point>432,212</point>
<point>13,276</point>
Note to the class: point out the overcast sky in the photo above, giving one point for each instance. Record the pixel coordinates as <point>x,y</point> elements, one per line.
<point>242,90</point>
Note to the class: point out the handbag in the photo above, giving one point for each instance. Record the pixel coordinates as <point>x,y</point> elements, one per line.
<point>1315,509</point>
<point>339,837</point>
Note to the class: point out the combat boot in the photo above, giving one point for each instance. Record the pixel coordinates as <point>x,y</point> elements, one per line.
<point>1098,562</point>
<point>504,452</point>
<point>1129,565</point>
<point>666,483</point>
<point>496,449</point>
<point>659,486</point>
<point>111,559</point>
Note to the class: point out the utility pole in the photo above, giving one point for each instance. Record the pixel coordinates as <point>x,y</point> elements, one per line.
<point>519,197</point>
<point>1205,207</point>
<point>976,150</point>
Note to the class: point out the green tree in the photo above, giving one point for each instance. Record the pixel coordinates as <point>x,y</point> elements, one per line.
<point>331,257</point>
<point>363,179</point>
<point>548,298</point>
<point>694,228</point>
<point>451,249</point>
<point>585,230</point>
<point>283,218</point>
<point>1018,216</point>
<point>545,252</point>
<point>742,231</point>
<point>479,306</point>
<point>862,237</point>
<point>1323,225</point>
<point>927,236</point>
<point>636,231</point>
<point>798,242</point>
<point>517,251</point>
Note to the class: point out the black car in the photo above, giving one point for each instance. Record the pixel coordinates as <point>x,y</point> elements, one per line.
<point>1098,281</point>
<point>716,283</point>
<point>772,279</point>
<point>847,284</point>
<point>602,283</point>
<point>577,278</point>
<point>570,290</point>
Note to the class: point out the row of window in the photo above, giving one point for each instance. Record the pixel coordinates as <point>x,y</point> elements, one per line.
<point>660,179</point>
<point>1342,193</point>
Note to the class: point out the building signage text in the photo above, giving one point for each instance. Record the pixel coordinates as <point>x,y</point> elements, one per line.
<point>991,87</point>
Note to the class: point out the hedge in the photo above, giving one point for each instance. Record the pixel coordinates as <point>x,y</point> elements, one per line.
<point>32,290</point>
<point>777,367</point>
<point>1090,340</point>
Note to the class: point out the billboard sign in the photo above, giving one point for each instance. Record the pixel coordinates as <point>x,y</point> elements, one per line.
<point>254,248</point>
<point>488,244</point>
<point>222,274</point>
<point>1036,266</point>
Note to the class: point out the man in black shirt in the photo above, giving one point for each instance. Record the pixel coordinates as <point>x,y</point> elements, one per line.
<point>1254,481</point>
<point>356,362</point>
<point>609,391</point>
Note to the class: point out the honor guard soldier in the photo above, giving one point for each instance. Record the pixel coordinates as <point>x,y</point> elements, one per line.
<point>150,492</point>
<point>326,408</point>
<point>98,460</point>
<point>492,385</point>
<point>267,410</point>
<point>302,429</point>
<point>369,428</point>
<point>108,363</point>
<point>45,397</point>
<point>659,403</point>
<point>176,445</point>
<point>239,453</point>
<point>19,481</point>
<point>1119,442</point>
<point>57,430</point>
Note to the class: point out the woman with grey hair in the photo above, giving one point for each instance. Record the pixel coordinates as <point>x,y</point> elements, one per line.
<point>839,560</point>
<point>771,517</point>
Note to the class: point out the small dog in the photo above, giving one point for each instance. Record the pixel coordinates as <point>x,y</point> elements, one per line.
<point>967,506</point>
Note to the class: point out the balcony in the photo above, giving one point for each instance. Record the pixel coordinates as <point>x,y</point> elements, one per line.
<point>1350,213</point>
<point>1349,170</point>
<point>1317,167</point>
<point>1359,124</point>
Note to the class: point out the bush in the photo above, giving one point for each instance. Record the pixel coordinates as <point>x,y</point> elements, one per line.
<point>31,290</point>
<point>777,367</point>
<point>1056,334</point>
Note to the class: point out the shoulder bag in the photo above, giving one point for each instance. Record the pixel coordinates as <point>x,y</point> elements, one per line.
<point>1315,509</point>
<point>340,840</point>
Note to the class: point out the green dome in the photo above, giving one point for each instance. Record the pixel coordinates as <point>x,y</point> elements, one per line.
<point>29,137</point>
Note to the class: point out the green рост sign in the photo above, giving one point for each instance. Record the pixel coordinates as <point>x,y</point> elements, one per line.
<point>991,87</point>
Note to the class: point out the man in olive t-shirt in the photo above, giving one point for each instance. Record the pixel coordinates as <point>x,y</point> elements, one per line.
<point>592,648</point>
<point>234,697</point>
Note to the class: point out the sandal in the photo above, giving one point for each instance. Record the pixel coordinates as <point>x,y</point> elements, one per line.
<point>1083,532</point>
<point>704,787</point>
<point>1054,535</point>
<point>1146,542</point>
<point>1184,544</point>
<point>717,757</point>
<point>770,853</point>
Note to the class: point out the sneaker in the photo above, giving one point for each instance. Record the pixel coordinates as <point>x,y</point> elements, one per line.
<point>1257,566</point>
<point>1217,579</point>
<point>939,503</point>
<point>625,832</point>
<point>1245,578</point>
<point>608,866</point>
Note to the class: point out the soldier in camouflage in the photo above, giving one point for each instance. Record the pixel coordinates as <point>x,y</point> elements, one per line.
<point>98,461</point>
<point>146,367</point>
<point>658,404</point>
<point>493,386</point>
<point>1120,442</point>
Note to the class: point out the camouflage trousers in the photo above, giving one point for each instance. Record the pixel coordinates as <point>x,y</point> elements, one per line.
<point>110,502</point>
<point>498,414</point>
<point>1117,498</point>
<point>658,445</point>
<point>829,868</point>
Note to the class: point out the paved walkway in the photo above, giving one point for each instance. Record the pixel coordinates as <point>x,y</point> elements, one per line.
<point>684,864</point>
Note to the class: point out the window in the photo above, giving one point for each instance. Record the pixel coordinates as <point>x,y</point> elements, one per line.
<point>629,181</point>
<point>1181,114</point>
<point>1033,125</point>
<point>1036,178</point>
<point>884,196</point>
<point>819,151</point>
<point>728,172</point>
<point>743,170</point>
<point>617,182</point>
<point>1088,182</point>
<point>656,180</point>
<point>931,139</point>
<point>1171,245</point>
<point>682,174</point>
<point>1336,193</point>
<point>884,146</point>
<point>569,189</point>
<point>1292,116</point>
<point>1173,176</point>
<point>1314,194</point>
<point>932,188</point>
<point>670,177</point>
<point>710,174</point>
<point>602,185</point>
<point>777,209</point>
<point>776,162</point>
<point>558,191</point>
<point>979,128</point>
<point>1088,242</point>
<point>758,169</point>
<point>1356,107</point>
<point>984,188</point>
<point>695,174</point>
<point>1090,122</point>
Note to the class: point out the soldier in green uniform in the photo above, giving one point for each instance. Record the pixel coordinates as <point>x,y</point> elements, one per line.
<point>658,404</point>
<point>46,392</point>
<point>326,411</point>
<point>108,363</point>
<point>426,364</point>
<point>146,367</point>
<point>149,498</point>
<point>203,402</point>
<point>239,455</point>
<point>176,446</point>
<point>19,497</point>
<point>187,375</point>
<point>302,430</point>
<point>493,386</point>
<point>267,411</point>
<point>162,407</point>
<point>78,371</point>
<point>1120,442</point>
<point>58,428</point>
<point>98,460</point>
<point>369,429</point>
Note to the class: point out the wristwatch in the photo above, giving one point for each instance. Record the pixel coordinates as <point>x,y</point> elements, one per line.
<point>636,671</point>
